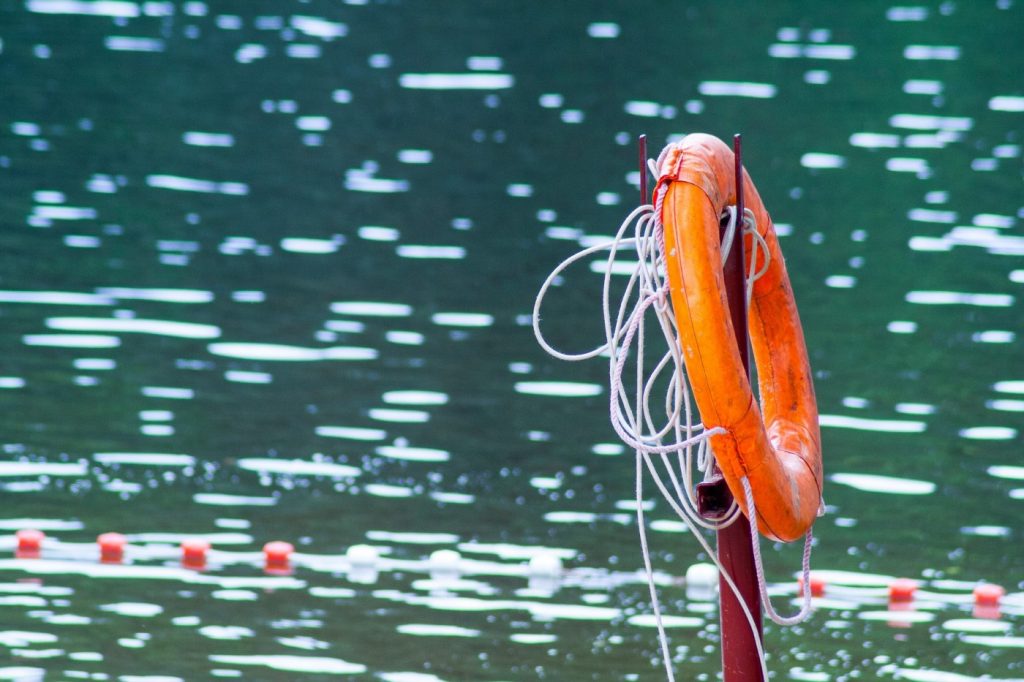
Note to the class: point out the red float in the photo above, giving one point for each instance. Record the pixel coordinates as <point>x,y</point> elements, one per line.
<point>817,586</point>
<point>988,594</point>
<point>111,547</point>
<point>30,543</point>
<point>193,552</point>
<point>277,555</point>
<point>902,590</point>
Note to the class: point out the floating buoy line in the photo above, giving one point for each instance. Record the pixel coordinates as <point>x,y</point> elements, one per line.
<point>545,571</point>
<point>896,603</point>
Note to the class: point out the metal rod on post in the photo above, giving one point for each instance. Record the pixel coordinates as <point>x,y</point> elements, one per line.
<point>643,169</point>
<point>740,659</point>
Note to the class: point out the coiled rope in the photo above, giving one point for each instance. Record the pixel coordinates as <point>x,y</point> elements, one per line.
<point>634,419</point>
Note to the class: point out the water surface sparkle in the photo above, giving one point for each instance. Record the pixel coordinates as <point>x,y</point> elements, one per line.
<point>269,275</point>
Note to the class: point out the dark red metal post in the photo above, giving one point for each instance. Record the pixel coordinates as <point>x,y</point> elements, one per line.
<point>740,659</point>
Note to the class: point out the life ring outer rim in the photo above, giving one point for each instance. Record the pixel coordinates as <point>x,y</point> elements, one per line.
<point>776,445</point>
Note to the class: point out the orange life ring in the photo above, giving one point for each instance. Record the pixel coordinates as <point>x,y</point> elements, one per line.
<point>777,446</point>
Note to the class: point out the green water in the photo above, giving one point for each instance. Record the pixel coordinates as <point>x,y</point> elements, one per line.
<point>352,258</point>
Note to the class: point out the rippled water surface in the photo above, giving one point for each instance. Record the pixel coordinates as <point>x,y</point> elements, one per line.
<point>267,270</point>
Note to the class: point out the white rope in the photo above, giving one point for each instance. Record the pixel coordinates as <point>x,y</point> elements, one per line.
<point>633,417</point>
<point>635,423</point>
<point>805,608</point>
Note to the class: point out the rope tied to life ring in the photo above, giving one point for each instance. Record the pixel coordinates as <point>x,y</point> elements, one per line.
<point>654,285</point>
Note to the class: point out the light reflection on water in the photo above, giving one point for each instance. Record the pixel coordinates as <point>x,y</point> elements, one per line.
<point>189,255</point>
